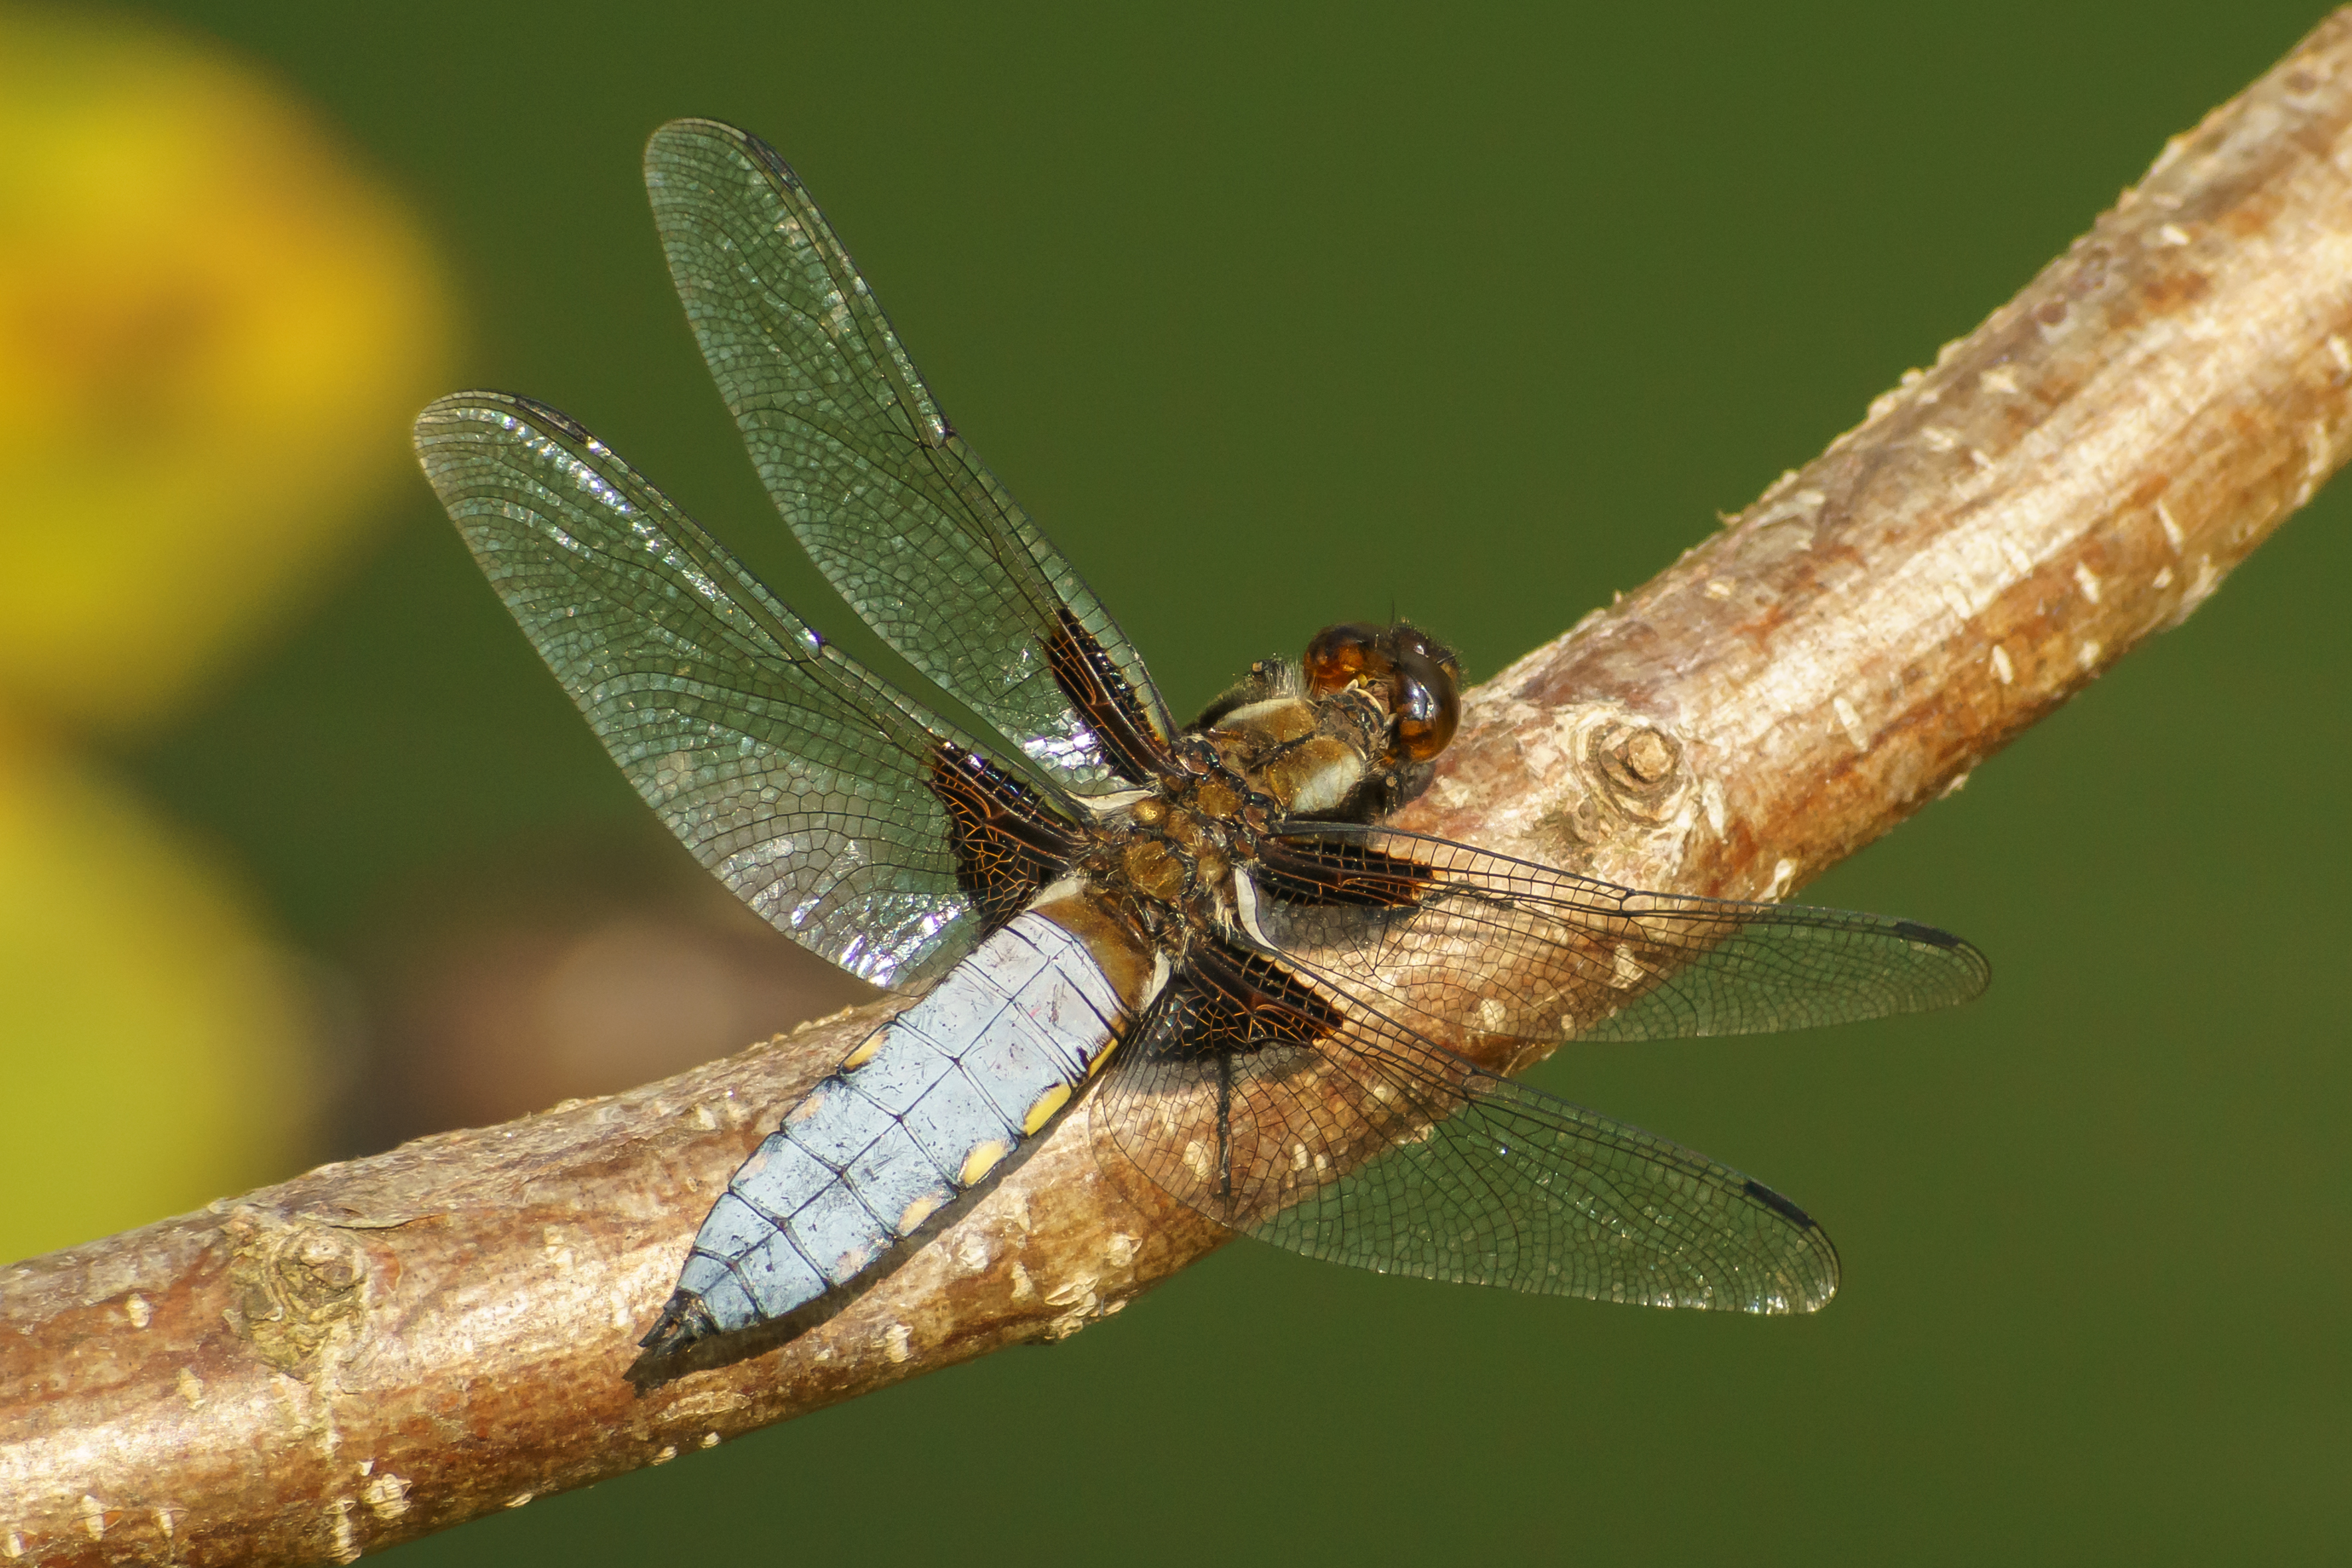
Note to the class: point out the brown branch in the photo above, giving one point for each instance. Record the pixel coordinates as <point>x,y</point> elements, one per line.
<point>382,1348</point>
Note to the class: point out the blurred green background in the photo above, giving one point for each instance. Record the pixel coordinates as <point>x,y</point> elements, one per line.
<point>1273,321</point>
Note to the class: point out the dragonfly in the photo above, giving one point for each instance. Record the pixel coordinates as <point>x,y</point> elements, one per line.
<point>1277,1005</point>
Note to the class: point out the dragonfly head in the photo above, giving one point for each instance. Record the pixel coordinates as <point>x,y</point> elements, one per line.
<point>1414,675</point>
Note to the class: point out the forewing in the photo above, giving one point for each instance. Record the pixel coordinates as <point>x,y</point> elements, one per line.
<point>1473,945</point>
<point>895,510</point>
<point>807,784</point>
<point>1373,1146</point>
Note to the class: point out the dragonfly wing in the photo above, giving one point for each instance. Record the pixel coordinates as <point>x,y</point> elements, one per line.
<point>1284,1110</point>
<point>859,824</point>
<point>1469,945</point>
<point>887,499</point>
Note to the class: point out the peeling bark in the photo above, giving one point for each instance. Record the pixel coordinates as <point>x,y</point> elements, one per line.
<point>381,1348</point>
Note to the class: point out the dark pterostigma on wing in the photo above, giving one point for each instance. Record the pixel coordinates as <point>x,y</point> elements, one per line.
<point>1365,1143</point>
<point>887,499</point>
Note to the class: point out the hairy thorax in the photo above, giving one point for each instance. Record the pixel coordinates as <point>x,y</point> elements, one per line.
<point>1170,857</point>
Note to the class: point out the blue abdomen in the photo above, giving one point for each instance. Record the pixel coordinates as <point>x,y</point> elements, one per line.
<point>925,1108</point>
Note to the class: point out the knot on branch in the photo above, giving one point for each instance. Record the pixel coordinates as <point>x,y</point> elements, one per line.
<point>1621,775</point>
<point>292,1284</point>
<point>1638,768</point>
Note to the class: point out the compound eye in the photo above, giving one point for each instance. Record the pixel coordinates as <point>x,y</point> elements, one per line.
<point>1341,656</point>
<point>1412,640</point>
<point>1427,703</point>
<point>1407,638</point>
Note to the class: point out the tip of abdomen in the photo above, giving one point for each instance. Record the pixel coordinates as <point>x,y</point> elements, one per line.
<point>682,1321</point>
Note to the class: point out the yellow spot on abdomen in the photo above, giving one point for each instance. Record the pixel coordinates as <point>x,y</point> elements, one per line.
<point>922,1209</point>
<point>1052,1100</point>
<point>981,1161</point>
<point>864,1052</point>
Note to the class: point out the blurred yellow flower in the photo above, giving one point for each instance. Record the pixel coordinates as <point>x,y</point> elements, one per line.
<point>214,331</point>
<point>152,1046</point>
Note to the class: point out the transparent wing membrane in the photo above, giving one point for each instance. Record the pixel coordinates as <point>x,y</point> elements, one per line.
<point>887,499</point>
<point>802,780</point>
<point>1468,945</point>
<point>1373,1147</point>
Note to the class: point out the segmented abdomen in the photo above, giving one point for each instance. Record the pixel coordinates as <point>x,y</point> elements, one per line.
<point>924,1109</point>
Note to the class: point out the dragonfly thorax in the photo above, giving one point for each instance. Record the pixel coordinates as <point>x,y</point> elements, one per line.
<point>1347,734</point>
<point>1173,856</point>
<point>1308,756</point>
